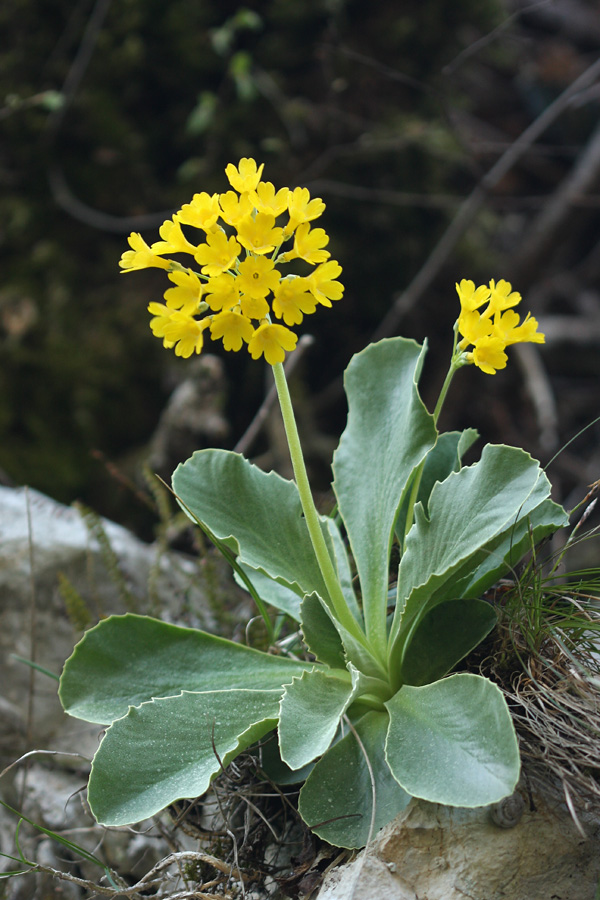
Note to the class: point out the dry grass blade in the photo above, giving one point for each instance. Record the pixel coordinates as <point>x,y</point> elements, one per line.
<point>549,671</point>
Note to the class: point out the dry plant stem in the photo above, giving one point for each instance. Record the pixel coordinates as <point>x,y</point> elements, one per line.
<point>542,396</point>
<point>476,199</point>
<point>153,878</point>
<point>487,39</point>
<point>31,753</point>
<point>336,596</point>
<point>552,219</point>
<point>32,641</point>
<point>554,703</point>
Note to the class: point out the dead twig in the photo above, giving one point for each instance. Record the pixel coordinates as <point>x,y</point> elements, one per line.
<point>553,218</point>
<point>471,206</point>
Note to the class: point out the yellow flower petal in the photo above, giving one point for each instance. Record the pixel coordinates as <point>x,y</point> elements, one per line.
<point>141,256</point>
<point>245,176</point>
<point>233,327</point>
<point>271,341</point>
<point>292,300</point>
<point>202,212</point>
<point>258,233</point>
<point>488,354</point>
<point>218,254</point>
<point>257,276</point>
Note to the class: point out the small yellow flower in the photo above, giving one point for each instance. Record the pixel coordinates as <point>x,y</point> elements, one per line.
<point>265,199</point>
<point>302,209</point>
<point>257,276</point>
<point>235,209</point>
<point>258,234</point>
<point>173,239</point>
<point>527,332</point>
<point>254,307</point>
<point>246,176</point>
<point>202,212</point>
<point>308,245</point>
<point>488,354</point>
<point>471,297</point>
<point>141,256</point>
<point>272,342</point>
<point>218,254</point>
<point>292,300</point>
<point>506,327</point>
<point>186,333</point>
<point>473,327</point>
<point>233,327</point>
<point>161,316</point>
<point>502,296</point>
<point>187,293</point>
<point>222,292</point>
<point>322,284</point>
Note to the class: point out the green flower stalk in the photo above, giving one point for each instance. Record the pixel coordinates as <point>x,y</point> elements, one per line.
<point>330,576</point>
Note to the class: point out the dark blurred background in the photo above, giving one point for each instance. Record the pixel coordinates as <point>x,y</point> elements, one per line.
<point>449,140</point>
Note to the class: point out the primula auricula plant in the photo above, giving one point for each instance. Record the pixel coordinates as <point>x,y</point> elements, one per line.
<point>367,714</point>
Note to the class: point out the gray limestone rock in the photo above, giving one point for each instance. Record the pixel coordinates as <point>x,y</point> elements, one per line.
<point>44,544</point>
<point>443,853</point>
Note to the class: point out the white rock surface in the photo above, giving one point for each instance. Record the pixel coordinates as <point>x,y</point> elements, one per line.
<point>432,852</point>
<point>41,540</point>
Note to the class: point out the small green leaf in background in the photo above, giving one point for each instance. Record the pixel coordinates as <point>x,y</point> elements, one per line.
<point>201,117</point>
<point>125,660</point>
<point>336,800</point>
<point>169,749</point>
<point>453,741</point>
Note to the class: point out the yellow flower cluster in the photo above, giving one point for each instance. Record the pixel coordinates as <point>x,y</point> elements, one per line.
<point>239,288</point>
<point>494,328</point>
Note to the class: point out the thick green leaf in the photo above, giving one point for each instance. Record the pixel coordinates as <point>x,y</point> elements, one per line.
<point>466,512</point>
<point>389,432</point>
<point>125,660</point>
<point>320,634</point>
<point>311,708</point>
<point>336,801</point>
<point>505,551</point>
<point>443,637</point>
<point>441,461</point>
<point>453,742</point>
<point>287,599</point>
<point>169,749</point>
<point>256,514</point>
